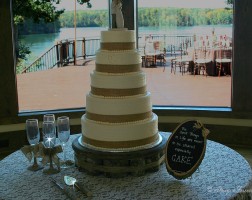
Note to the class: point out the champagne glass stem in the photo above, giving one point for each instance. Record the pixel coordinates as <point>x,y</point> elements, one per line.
<point>51,169</point>
<point>35,163</point>
<point>64,152</point>
<point>50,157</point>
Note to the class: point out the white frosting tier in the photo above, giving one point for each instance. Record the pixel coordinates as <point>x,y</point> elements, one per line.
<point>118,35</point>
<point>129,57</point>
<point>118,106</point>
<point>114,132</point>
<point>118,81</point>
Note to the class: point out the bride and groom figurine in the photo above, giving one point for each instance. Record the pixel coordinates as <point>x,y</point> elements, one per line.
<point>117,16</point>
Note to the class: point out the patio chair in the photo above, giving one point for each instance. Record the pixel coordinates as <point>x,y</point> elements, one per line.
<point>182,62</point>
<point>160,58</point>
<point>200,61</point>
<point>141,52</point>
<point>150,61</point>
<point>223,57</point>
<point>159,53</point>
<point>173,56</point>
<point>149,55</point>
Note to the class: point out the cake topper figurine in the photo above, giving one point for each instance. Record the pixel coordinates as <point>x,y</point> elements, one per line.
<point>117,16</point>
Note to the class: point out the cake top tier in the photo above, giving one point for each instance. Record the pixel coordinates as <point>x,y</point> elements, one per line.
<point>122,35</point>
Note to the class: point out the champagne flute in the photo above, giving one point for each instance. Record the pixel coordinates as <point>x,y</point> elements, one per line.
<point>49,117</point>
<point>33,136</point>
<point>49,135</point>
<point>49,141</point>
<point>63,135</point>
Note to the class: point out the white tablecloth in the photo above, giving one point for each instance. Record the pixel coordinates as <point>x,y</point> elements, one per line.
<point>223,174</point>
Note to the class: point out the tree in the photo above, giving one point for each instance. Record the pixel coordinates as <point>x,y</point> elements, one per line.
<point>37,11</point>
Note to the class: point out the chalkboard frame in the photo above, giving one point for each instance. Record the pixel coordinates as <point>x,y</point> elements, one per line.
<point>184,175</point>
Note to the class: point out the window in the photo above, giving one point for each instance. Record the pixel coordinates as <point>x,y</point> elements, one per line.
<point>241,76</point>
<point>184,28</point>
<point>174,25</point>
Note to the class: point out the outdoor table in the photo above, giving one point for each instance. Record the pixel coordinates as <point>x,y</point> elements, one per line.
<point>153,56</point>
<point>223,174</point>
<point>211,53</point>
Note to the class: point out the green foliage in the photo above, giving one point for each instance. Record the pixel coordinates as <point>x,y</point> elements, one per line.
<point>30,11</point>
<point>153,17</point>
<point>183,16</point>
<point>35,10</point>
<point>29,27</point>
<point>85,18</point>
<point>21,51</point>
<point>20,66</point>
<point>50,20</point>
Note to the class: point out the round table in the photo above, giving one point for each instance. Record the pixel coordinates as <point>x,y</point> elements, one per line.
<point>223,174</point>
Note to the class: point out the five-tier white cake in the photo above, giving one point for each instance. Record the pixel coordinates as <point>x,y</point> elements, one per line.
<point>118,107</point>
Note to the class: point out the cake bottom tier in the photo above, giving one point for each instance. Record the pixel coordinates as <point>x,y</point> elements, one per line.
<point>116,164</point>
<point>120,135</point>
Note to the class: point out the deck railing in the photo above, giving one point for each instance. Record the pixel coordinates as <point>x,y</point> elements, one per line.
<point>167,41</point>
<point>63,52</point>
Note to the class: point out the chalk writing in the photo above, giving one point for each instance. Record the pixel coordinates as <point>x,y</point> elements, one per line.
<point>181,159</point>
<point>185,147</point>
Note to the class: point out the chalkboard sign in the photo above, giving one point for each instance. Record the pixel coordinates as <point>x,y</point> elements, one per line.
<point>185,149</point>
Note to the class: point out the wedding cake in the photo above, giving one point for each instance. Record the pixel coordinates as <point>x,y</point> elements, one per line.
<point>118,107</point>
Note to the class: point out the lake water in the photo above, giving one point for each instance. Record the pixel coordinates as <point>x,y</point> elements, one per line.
<point>40,43</point>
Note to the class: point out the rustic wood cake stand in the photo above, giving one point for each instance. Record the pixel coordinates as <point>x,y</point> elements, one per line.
<point>119,164</point>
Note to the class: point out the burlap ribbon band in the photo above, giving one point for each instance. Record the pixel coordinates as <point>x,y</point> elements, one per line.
<point>31,150</point>
<point>46,153</point>
<point>199,125</point>
<point>40,151</point>
<point>117,92</point>
<point>118,118</point>
<point>120,144</point>
<point>114,46</point>
<point>118,68</point>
